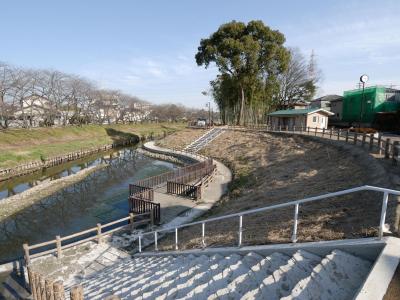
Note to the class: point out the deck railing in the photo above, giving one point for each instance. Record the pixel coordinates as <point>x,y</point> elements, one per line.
<point>172,175</point>
<point>186,190</point>
<point>96,233</point>
<point>142,206</point>
<point>294,204</point>
<point>142,192</point>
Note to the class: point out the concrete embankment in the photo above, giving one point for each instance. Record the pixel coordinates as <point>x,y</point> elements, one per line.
<point>13,204</point>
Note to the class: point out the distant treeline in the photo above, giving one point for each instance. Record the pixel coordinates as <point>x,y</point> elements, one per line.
<point>32,98</point>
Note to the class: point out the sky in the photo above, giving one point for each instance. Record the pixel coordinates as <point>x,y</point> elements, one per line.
<point>147,48</point>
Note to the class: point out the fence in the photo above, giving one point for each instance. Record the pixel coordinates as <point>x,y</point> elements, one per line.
<point>142,206</point>
<point>172,175</point>
<point>295,204</point>
<point>57,160</point>
<point>376,144</point>
<point>43,288</point>
<point>141,192</point>
<point>97,233</point>
<point>191,191</point>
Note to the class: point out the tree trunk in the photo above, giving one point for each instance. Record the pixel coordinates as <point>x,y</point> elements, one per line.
<point>241,113</point>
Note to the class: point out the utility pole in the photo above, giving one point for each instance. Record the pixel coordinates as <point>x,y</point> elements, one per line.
<point>363,80</point>
<point>209,113</point>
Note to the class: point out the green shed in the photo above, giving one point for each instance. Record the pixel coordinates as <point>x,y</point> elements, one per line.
<point>376,99</point>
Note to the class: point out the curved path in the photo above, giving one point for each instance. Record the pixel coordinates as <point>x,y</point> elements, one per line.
<point>86,259</point>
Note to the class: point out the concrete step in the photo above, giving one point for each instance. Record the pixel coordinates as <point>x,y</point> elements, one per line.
<point>338,276</point>
<point>235,276</point>
<point>13,288</point>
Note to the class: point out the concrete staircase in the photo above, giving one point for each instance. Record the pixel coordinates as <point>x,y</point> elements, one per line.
<point>202,141</point>
<point>13,287</point>
<point>302,275</point>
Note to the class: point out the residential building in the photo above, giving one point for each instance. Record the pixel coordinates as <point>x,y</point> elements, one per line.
<point>337,109</point>
<point>311,117</point>
<point>324,102</point>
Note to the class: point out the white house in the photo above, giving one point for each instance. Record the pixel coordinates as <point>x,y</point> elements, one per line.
<point>311,117</point>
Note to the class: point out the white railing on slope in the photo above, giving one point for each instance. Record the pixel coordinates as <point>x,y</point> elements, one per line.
<point>204,139</point>
<point>296,204</point>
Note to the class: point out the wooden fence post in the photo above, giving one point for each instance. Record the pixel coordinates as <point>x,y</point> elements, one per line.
<point>387,145</point>
<point>77,292</point>
<point>42,288</point>
<point>152,217</point>
<point>323,132</point>
<point>99,237</point>
<point>371,142</point>
<point>58,289</point>
<point>26,254</point>
<point>395,143</point>
<point>338,134</point>
<point>37,286</point>
<point>379,143</point>
<point>132,221</point>
<point>330,133</point>
<point>32,283</point>
<point>363,139</point>
<point>49,289</point>
<point>355,138</point>
<point>58,243</point>
<point>347,136</point>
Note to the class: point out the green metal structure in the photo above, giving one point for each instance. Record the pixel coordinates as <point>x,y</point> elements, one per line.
<point>362,108</point>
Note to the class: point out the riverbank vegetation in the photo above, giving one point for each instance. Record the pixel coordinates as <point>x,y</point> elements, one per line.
<point>23,145</point>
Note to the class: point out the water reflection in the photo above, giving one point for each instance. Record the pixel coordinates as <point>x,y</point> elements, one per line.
<point>101,197</point>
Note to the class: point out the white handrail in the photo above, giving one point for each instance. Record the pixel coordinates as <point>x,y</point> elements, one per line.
<point>296,203</point>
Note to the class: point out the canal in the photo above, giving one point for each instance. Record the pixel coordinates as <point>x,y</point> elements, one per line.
<point>99,198</point>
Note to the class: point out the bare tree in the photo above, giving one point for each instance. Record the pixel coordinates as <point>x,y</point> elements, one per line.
<point>298,82</point>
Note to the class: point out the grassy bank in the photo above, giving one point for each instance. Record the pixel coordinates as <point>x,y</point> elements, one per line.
<point>22,145</point>
<point>270,170</point>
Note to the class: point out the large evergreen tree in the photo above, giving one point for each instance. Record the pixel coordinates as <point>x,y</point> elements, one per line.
<point>250,58</point>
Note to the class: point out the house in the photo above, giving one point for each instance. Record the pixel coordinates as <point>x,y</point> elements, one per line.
<point>298,104</point>
<point>310,117</point>
<point>359,106</point>
<point>324,102</point>
<point>336,109</point>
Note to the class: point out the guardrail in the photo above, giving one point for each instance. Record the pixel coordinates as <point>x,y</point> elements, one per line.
<point>142,192</point>
<point>295,204</point>
<point>143,206</point>
<point>172,175</point>
<point>99,235</point>
<point>186,190</point>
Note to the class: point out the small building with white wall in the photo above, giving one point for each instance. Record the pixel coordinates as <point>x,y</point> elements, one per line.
<point>311,117</point>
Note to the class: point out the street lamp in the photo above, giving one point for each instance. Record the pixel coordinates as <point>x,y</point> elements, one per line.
<point>363,79</point>
<point>208,104</point>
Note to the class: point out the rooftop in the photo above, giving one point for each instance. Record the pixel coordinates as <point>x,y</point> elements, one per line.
<point>290,112</point>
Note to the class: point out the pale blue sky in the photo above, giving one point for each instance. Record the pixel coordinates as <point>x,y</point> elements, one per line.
<point>147,48</point>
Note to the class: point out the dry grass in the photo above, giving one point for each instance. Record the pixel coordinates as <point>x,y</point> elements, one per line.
<point>270,170</point>
<point>182,138</point>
